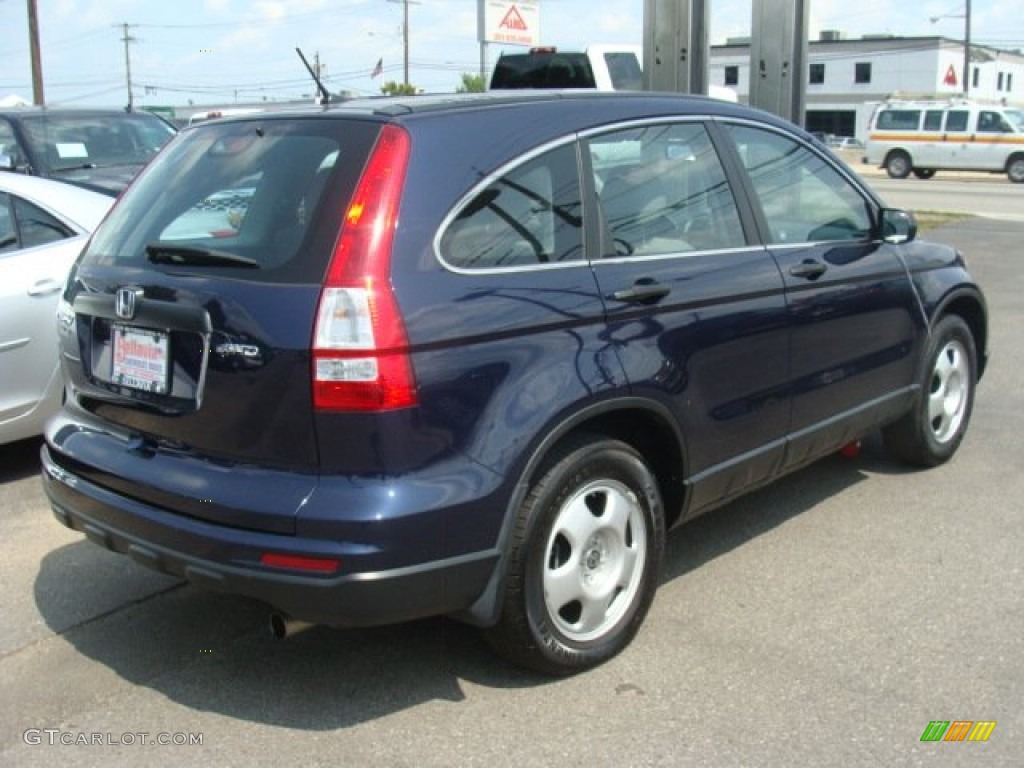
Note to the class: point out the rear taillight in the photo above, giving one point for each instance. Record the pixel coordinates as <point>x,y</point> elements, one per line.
<point>360,349</point>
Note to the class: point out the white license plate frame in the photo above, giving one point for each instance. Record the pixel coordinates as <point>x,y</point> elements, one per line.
<point>141,358</point>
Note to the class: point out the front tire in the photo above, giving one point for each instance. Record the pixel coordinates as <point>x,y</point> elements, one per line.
<point>924,173</point>
<point>930,434</point>
<point>1015,169</point>
<point>584,560</point>
<point>898,165</point>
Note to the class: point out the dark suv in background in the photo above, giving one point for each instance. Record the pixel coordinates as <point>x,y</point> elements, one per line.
<point>101,149</point>
<point>473,356</point>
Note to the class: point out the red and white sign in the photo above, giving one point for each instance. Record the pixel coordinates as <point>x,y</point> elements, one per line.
<point>509,23</point>
<point>950,78</point>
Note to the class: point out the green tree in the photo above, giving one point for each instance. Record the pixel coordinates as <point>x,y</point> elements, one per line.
<point>472,83</point>
<point>391,88</point>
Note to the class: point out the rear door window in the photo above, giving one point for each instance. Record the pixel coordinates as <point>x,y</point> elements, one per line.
<point>250,190</point>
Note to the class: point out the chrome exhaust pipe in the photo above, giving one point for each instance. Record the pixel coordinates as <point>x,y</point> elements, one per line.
<point>282,625</point>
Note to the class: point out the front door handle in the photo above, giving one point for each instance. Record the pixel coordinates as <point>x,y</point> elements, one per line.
<point>809,269</point>
<point>643,292</point>
<point>44,287</point>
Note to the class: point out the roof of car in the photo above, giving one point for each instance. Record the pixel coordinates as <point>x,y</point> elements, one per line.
<point>32,111</point>
<point>619,105</point>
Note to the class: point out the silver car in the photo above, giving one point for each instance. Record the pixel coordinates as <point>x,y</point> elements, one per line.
<point>43,226</point>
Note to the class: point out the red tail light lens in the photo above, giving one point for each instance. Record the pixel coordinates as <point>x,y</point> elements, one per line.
<point>360,349</point>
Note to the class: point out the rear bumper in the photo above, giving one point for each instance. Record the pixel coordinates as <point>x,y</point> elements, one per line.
<point>228,559</point>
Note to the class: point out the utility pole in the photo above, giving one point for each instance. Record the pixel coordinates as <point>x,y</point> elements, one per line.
<point>127,60</point>
<point>37,66</point>
<point>967,49</point>
<point>405,35</point>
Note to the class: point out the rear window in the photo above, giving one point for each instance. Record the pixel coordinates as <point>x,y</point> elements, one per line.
<point>245,196</point>
<point>543,70</point>
<point>624,70</point>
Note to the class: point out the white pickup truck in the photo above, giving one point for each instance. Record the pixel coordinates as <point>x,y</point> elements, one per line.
<point>601,67</point>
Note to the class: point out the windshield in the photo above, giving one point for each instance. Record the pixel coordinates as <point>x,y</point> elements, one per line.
<point>62,142</point>
<point>1016,118</point>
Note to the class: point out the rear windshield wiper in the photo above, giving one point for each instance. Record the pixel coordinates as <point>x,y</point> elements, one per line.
<point>171,253</point>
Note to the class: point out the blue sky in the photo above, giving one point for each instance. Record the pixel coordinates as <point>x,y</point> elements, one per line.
<point>220,51</point>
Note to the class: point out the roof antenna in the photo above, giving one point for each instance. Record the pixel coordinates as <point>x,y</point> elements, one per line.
<point>325,97</point>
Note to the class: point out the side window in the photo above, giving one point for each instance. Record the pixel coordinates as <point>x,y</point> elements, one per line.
<point>531,215</point>
<point>990,122</point>
<point>956,120</point>
<point>803,198</point>
<point>933,120</point>
<point>662,190</point>
<point>36,226</point>
<point>8,235</point>
<point>899,120</point>
<point>8,144</point>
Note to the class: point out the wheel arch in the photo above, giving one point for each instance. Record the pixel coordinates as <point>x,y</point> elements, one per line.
<point>970,306</point>
<point>645,425</point>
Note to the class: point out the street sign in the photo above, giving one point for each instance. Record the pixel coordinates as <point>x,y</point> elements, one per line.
<point>509,23</point>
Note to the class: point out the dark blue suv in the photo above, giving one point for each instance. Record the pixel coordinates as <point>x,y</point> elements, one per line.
<point>473,356</point>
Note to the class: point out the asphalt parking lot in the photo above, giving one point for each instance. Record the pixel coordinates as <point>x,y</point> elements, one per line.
<point>824,621</point>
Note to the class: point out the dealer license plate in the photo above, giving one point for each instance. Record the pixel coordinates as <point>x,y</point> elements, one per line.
<point>140,359</point>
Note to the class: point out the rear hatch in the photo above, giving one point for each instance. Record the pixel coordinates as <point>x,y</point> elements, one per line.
<point>193,311</point>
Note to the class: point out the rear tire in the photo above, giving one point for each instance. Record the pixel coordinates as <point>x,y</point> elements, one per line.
<point>930,433</point>
<point>584,560</point>
<point>898,165</point>
<point>924,173</point>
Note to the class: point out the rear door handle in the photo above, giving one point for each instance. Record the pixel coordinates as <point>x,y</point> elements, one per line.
<point>810,269</point>
<point>643,292</point>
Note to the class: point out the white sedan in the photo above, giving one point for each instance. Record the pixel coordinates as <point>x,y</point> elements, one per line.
<point>43,226</point>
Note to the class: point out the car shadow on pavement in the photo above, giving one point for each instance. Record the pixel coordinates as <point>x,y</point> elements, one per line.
<point>19,460</point>
<point>214,653</point>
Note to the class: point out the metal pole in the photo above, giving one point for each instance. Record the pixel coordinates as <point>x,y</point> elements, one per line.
<point>38,98</point>
<point>967,49</point>
<point>128,63</point>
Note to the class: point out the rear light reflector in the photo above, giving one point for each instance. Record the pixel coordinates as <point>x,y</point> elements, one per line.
<point>299,562</point>
<point>360,349</point>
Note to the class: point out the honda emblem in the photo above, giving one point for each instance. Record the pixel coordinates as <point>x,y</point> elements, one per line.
<point>124,305</point>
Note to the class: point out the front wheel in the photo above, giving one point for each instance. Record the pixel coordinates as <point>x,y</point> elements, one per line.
<point>1015,169</point>
<point>930,433</point>
<point>898,165</point>
<point>584,560</point>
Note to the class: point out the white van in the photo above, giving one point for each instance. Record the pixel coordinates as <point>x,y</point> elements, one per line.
<point>600,67</point>
<point>922,137</point>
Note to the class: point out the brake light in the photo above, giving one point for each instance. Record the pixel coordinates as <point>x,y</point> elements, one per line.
<point>360,349</point>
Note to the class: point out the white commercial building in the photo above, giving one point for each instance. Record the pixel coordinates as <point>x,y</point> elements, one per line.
<point>847,79</point>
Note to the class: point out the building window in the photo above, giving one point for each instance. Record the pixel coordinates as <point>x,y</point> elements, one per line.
<point>862,72</point>
<point>817,74</point>
<point>975,77</point>
<point>732,75</point>
<point>1009,81</point>
<point>999,82</point>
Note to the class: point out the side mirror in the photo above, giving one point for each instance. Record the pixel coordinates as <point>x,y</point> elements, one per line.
<point>898,226</point>
<point>7,163</point>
